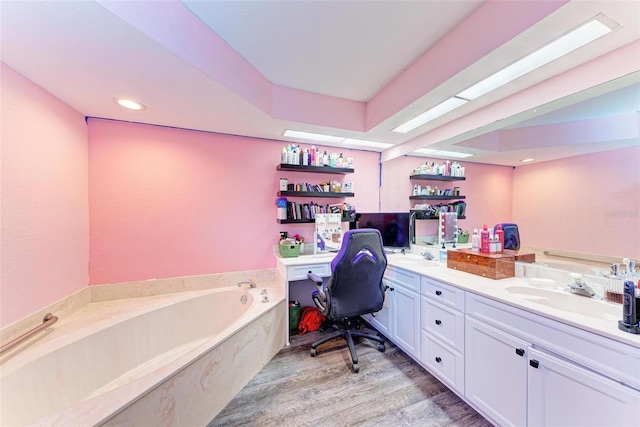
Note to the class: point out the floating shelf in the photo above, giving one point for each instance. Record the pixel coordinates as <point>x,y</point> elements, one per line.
<point>304,221</point>
<point>315,169</point>
<point>436,197</point>
<point>427,218</point>
<point>438,177</point>
<point>314,194</point>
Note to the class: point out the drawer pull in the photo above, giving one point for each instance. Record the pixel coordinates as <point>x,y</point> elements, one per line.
<point>438,293</point>
<point>438,359</point>
<point>438,321</point>
<point>534,363</point>
<point>520,351</point>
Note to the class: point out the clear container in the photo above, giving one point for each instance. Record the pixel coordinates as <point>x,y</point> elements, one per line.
<point>613,288</point>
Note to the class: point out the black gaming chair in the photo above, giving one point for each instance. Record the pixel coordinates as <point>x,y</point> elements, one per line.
<point>354,288</point>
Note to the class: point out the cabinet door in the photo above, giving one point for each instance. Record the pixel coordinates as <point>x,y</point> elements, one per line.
<point>382,319</point>
<point>496,373</point>
<point>406,320</point>
<point>561,393</point>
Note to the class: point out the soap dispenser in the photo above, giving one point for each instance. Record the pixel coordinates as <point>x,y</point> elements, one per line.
<point>443,253</point>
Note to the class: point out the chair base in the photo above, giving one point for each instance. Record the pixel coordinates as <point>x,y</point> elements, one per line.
<point>347,333</point>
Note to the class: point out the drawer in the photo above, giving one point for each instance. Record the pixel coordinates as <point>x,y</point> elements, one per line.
<point>299,272</point>
<point>403,278</point>
<point>444,294</point>
<point>444,363</point>
<point>443,322</point>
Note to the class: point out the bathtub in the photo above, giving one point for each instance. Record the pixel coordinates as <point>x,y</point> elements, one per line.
<point>174,359</point>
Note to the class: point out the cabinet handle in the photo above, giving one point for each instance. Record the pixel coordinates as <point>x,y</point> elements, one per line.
<point>438,359</point>
<point>392,289</point>
<point>534,363</point>
<point>520,351</point>
<point>386,287</point>
<point>438,321</point>
<point>438,293</point>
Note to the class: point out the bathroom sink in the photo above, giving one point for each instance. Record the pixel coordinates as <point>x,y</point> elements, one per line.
<point>411,260</point>
<point>564,301</point>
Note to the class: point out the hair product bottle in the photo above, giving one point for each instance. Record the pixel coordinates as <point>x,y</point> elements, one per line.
<point>500,235</point>
<point>484,240</point>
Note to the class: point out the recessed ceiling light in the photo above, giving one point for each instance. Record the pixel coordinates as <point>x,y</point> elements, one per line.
<point>432,113</point>
<point>571,41</point>
<point>313,136</point>
<point>527,160</point>
<point>130,104</point>
<point>425,151</point>
<point>365,143</point>
<point>442,153</point>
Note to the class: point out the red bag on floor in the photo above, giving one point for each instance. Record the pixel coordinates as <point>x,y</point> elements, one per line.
<point>310,320</point>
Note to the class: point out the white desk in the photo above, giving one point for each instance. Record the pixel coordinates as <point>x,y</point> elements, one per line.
<point>294,269</point>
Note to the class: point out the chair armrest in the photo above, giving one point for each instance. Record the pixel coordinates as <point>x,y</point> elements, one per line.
<point>319,296</point>
<point>317,280</point>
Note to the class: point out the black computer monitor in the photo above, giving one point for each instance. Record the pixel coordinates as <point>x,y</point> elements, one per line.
<point>393,226</point>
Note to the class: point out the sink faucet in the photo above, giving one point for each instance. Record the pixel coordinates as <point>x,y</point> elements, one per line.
<point>579,287</point>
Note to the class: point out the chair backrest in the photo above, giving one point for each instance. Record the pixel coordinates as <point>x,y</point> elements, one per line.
<point>355,286</point>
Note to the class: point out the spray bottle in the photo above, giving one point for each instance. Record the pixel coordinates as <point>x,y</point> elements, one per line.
<point>500,235</point>
<point>484,240</point>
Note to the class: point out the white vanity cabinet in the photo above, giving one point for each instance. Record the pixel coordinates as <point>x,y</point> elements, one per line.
<point>399,320</point>
<point>496,373</point>
<point>442,332</point>
<point>555,385</point>
<point>524,369</point>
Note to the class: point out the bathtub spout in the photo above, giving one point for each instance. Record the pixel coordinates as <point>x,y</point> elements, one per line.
<point>251,284</point>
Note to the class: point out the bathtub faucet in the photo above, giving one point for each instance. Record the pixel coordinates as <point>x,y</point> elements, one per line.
<point>251,284</point>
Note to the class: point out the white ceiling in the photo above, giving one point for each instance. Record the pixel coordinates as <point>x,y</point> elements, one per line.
<point>256,68</point>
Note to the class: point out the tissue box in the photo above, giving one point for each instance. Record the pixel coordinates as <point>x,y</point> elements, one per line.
<point>492,266</point>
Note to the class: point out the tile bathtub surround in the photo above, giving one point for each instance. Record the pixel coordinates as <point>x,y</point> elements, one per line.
<point>61,308</point>
<point>98,293</point>
<point>178,284</point>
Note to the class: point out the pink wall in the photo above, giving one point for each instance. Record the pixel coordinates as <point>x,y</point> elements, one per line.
<point>488,191</point>
<point>44,215</point>
<point>168,202</point>
<point>588,204</point>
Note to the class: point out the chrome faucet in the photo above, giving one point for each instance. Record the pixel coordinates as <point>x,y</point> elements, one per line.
<point>251,284</point>
<point>579,287</point>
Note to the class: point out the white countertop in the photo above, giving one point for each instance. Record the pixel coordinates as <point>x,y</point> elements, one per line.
<point>606,325</point>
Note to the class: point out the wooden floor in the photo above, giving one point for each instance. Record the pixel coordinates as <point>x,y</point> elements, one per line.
<point>295,389</point>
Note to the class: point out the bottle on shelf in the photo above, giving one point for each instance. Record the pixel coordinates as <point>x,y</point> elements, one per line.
<point>485,247</point>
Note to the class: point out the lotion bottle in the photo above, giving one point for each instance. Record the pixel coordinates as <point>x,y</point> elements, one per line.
<point>484,240</point>
<point>475,240</point>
